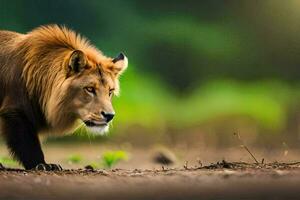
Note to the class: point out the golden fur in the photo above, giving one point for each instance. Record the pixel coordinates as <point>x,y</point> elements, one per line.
<point>50,78</point>
<point>45,53</point>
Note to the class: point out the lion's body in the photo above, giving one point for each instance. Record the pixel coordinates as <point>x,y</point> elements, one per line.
<point>36,87</point>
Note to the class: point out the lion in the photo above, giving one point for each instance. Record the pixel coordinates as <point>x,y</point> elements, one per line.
<point>50,78</point>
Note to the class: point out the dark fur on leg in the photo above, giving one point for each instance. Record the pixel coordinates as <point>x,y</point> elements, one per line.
<point>21,138</point>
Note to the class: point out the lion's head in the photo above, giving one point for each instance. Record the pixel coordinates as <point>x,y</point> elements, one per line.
<point>92,86</point>
<point>70,78</point>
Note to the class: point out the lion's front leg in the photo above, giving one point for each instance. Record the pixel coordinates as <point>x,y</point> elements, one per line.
<point>21,138</point>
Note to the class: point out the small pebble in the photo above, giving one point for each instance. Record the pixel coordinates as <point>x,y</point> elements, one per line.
<point>89,167</point>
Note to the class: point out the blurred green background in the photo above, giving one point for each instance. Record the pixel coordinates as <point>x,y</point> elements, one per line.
<point>198,69</point>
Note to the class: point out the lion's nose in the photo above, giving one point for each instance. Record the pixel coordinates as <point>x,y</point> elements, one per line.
<point>108,116</point>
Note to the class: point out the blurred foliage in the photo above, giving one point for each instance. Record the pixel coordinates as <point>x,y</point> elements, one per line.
<point>112,158</point>
<point>74,159</point>
<point>6,161</point>
<point>191,62</point>
<point>266,102</point>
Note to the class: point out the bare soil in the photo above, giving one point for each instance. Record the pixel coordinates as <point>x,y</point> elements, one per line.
<point>194,174</point>
<point>222,180</point>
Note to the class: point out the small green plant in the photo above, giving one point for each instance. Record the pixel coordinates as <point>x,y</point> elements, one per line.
<point>74,159</point>
<point>7,161</point>
<point>111,158</point>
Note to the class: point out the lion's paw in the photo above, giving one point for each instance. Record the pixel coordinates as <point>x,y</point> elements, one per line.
<point>48,167</point>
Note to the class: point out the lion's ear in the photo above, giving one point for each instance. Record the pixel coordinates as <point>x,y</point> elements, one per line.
<point>120,63</point>
<point>77,61</point>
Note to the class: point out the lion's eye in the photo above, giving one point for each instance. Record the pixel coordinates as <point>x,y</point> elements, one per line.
<point>111,91</point>
<point>90,90</point>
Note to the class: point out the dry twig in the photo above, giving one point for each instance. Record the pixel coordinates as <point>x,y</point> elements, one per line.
<point>245,147</point>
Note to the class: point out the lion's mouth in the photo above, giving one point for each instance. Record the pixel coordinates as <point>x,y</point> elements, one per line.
<point>96,128</point>
<point>91,123</point>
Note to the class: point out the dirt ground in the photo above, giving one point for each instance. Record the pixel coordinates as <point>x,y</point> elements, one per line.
<point>195,174</point>
<point>222,180</point>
